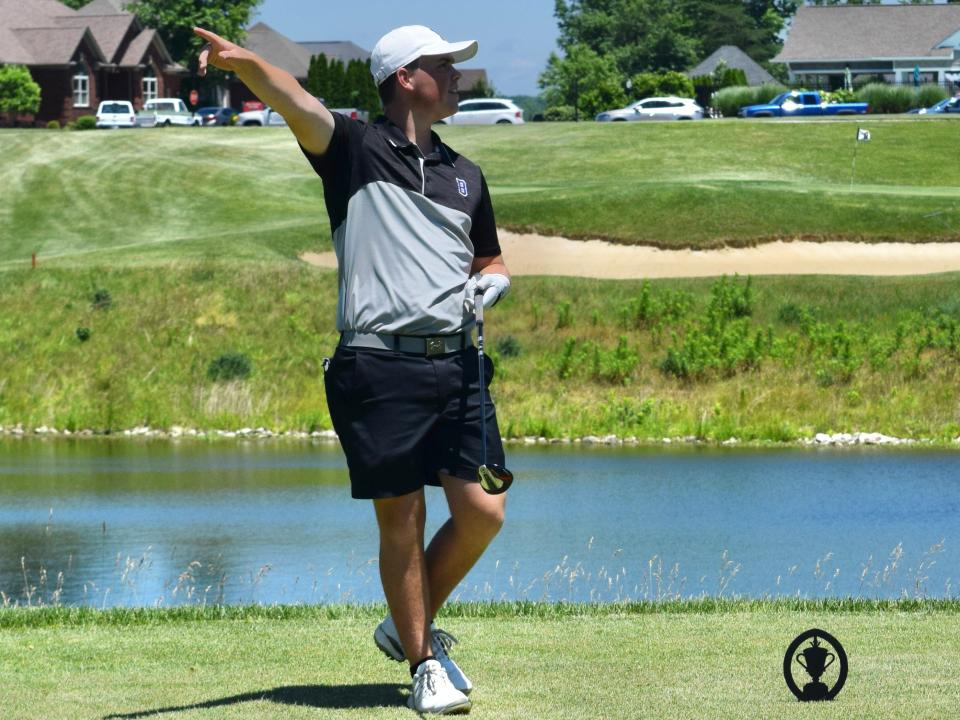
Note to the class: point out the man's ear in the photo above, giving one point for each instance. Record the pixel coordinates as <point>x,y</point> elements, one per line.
<point>405,79</point>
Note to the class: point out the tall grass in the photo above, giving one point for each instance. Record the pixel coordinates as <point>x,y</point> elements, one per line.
<point>885,98</point>
<point>579,357</point>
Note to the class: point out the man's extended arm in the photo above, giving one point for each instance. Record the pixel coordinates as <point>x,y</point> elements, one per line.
<point>310,121</point>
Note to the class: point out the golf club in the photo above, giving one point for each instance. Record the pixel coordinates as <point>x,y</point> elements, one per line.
<point>494,479</point>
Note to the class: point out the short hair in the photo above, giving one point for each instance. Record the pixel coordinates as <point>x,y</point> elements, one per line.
<point>388,88</point>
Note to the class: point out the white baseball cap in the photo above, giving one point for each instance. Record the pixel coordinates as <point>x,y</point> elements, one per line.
<point>403,45</point>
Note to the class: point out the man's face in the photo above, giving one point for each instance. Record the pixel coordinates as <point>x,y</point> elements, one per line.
<point>435,85</point>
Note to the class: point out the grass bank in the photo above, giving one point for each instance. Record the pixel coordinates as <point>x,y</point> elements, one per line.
<point>678,661</point>
<point>780,359</point>
<point>248,194</point>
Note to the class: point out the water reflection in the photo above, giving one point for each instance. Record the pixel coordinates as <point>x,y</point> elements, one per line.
<point>108,523</point>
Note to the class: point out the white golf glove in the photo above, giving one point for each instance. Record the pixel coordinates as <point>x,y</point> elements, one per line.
<point>493,285</point>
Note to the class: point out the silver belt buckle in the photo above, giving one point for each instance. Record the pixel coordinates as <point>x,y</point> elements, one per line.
<point>435,346</point>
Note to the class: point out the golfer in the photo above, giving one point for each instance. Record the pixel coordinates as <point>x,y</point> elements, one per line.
<point>415,238</point>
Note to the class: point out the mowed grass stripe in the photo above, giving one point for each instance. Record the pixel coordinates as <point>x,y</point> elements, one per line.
<point>218,192</point>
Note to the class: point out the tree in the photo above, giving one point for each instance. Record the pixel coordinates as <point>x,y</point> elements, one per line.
<point>640,35</point>
<point>18,92</point>
<point>175,19</point>
<point>583,80</point>
<point>75,4</point>
<point>318,77</point>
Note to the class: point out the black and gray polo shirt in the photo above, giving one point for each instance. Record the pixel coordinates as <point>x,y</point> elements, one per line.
<point>406,229</point>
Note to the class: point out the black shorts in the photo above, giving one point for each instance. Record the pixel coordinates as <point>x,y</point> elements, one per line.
<point>402,419</point>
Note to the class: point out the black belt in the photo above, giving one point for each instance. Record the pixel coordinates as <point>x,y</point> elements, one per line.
<point>412,344</point>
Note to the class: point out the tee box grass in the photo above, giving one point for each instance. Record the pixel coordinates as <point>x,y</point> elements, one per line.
<point>691,659</point>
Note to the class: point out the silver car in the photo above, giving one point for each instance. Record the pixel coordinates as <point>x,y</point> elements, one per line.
<point>655,108</point>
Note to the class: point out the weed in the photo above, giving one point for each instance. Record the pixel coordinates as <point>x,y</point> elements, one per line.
<point>229,366</point>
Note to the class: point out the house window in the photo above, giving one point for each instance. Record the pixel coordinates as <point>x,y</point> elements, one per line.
<point>149,88</point>
<point>81,90</point>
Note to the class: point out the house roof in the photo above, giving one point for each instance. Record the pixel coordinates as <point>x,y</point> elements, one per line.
<point>278,49</point>
<point>734,57</point>
<point>47,32</point>
<point>103,7</point>
<point>342,50</point>
<point>53,46</point>
<point>865,32</point>
<point>138,48</point>
<point>109,30</point>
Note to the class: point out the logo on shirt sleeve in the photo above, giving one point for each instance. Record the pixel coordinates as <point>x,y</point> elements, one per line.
<point>462,186</point>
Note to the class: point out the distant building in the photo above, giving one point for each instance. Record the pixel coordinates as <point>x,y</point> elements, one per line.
<point>893,43</point>
<point>732,57</point>
<point>80,57</point>
<point>294,57</point>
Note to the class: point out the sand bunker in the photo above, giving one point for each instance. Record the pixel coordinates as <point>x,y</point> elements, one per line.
<point>530,254</point>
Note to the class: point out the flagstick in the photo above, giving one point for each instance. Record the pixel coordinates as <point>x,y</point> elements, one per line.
<point>853,169</point>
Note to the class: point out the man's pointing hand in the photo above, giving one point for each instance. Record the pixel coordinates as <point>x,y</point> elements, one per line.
<point>218,52</point>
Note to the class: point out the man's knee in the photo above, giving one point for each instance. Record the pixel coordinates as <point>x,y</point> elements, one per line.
<point>401,518</point>
<point>485,520</point>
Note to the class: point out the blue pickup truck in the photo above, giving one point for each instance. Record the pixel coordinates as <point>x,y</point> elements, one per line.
<point>796,103</point>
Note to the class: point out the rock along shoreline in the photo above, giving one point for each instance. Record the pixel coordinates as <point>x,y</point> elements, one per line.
<point>187,433</point>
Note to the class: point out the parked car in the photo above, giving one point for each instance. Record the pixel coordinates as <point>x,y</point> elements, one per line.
<point>116,114</point>
<point>655,108</point>
<point>947,105</point>
<point>486,111</point>
<point>170,111</point>
<point>796,103</point>
<point>216,116</point>
<point>259,118</point>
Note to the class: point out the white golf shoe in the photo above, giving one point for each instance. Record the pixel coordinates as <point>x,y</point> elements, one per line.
<point>434,694</point>
<point>387,639</point>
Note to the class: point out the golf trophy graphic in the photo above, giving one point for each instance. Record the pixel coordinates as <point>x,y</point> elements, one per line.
<point>815,659</point>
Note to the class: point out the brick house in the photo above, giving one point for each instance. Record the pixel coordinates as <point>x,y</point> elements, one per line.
<point>80,57</point>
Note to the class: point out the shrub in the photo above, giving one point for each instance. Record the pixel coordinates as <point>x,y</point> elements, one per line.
<point>508,346</point>
<point>730,300</point>
<point>928,95</point>
<point>843,95</point>
<point>559,113</point>
<point>101,299</point>
<point>793,314</point>
<point>729,100</point>
<point>229,366</point>
<point>18,92</point>
<point>617,365</point>
<point>83,334</point>
<point>85,122</point>
<point>53,125</point>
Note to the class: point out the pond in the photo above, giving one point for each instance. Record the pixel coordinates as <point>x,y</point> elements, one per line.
<point>109,522</point>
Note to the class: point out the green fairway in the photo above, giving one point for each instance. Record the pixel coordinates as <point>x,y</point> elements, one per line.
<point>247,193</point>
<point>680,660</point>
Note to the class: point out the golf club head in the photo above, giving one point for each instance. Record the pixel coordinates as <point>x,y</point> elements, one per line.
<point>494,479</point>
